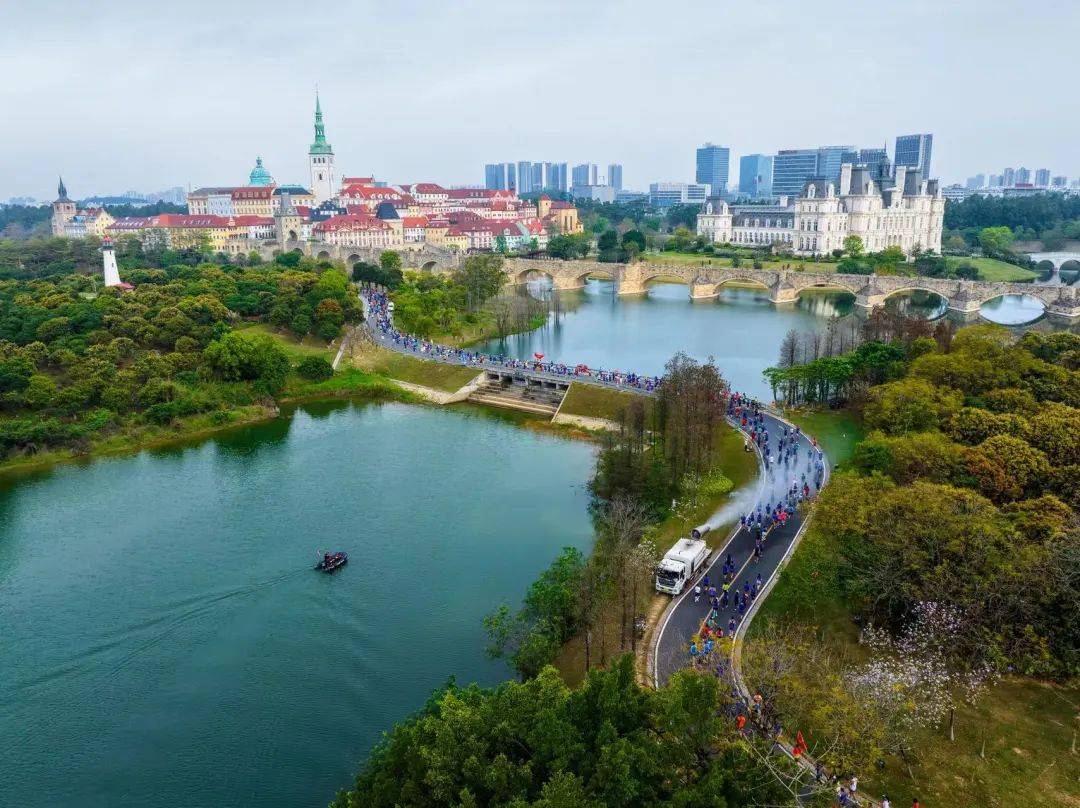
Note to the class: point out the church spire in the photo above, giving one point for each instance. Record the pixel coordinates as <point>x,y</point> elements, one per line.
<point>320,130</point>
<point>319,146</point>
<point>61,191</point>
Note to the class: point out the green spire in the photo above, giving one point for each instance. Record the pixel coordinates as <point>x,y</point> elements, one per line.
<point>320,146</point>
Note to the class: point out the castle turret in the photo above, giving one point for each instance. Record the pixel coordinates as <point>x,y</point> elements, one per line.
<point>321,160</point>
<point>108,262</point>
<point>63,210</point>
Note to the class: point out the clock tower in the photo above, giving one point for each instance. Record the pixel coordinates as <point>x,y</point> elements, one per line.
<point>321,160</point>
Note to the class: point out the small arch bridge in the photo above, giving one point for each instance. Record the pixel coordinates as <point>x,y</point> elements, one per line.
<point>785,286</point>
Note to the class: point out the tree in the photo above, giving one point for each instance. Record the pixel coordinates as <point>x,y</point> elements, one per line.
<point>481,277</point>
<point>256,357</point>
<point>315,368</point>
<point>853,246</point>
<point>910,405</point>
<point>996,239</point>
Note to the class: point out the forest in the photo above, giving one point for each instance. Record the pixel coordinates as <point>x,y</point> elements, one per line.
<point>79,363</point>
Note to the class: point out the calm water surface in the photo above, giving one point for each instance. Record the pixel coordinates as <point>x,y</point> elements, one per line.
<point>741,329</point>
<point>165,640</point>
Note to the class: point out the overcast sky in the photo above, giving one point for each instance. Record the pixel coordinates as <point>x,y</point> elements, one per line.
<point>148,95</point>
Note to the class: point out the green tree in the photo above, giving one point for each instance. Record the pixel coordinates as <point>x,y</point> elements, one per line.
<point>254,357</point>
<point>996,239</point>
<point>853,246</point>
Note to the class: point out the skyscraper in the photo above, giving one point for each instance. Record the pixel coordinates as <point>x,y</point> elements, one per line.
<point>1060,181</point>
<point>712,167</point>
<point>1042,177</point>
<point>791,169</point>
<point>559,178</point>
<point>830,158</point>
<point>1008,178</point>
<point>585,174</point>
<point>614,176</point>
<point>499,176</point>
<point>976,182</point>
<point>524,177</point>
<point>914,150</point>
<point>756,175</point>
<point>1023,176</point>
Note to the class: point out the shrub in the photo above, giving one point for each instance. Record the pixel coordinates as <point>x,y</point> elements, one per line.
<point>315,368</point>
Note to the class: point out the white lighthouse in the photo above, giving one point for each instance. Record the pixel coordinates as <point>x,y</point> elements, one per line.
<point>108,263</point>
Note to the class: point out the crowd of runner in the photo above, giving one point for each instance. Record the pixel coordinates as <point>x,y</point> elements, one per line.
<point>379,313</point>
<point>797,461</point>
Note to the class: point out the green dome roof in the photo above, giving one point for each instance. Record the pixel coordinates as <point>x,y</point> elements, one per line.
<point>259,175</point>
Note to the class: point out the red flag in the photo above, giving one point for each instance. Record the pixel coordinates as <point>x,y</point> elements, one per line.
<point>539,356</point>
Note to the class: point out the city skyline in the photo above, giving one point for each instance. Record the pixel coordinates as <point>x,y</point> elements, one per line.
<point>161,115</point>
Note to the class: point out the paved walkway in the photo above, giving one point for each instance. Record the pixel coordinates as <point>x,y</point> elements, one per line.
<point>685,617</point>
<point>546,371</point>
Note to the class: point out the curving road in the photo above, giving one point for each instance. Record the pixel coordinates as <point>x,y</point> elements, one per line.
<point>684,617</point>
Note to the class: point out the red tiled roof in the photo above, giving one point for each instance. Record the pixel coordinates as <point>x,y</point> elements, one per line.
<point>188,221</point>
<point>414,221</point>
<point>352,221</point>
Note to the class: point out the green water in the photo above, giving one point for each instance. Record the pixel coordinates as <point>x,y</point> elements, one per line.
<point>166,642</point>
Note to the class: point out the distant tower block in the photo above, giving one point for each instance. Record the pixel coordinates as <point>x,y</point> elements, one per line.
<point>108,261</point>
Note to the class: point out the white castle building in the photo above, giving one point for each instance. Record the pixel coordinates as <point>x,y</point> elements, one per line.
<point>905,213</point>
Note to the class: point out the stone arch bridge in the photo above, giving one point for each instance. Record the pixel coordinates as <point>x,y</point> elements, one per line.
<point>426,258</point>
<point>870,291</point>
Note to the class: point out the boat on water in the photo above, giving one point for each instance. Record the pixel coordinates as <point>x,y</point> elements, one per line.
<point>331,562</point>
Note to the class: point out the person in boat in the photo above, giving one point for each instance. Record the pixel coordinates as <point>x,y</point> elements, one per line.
<point>326,560</point>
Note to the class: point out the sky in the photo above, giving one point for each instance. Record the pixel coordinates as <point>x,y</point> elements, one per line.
<point>136,95</point>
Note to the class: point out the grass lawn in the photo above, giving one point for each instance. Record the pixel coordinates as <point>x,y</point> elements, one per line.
<point>448,378</point>
<point>990,269</point>
<point>836,430</point>
<point>590,401</point>
<point>296,349</point>
<point>693,259</point>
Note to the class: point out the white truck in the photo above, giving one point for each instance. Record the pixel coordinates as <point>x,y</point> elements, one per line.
<point>680,564</point>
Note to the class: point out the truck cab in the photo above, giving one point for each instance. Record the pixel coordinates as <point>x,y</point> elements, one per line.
<point>680,564</point>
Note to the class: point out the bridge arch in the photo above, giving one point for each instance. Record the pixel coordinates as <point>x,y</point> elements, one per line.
<point>1013,308</point>
<point>1072,265</point>
<point>323,255</point>
<point>666,275</point>
<point>428,266</point>
<point>827,286</point>
<point>353,259</point>
<point>523,275</point>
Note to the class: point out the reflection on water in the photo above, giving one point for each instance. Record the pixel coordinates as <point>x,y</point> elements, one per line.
<point>918,303</point>
<point>1013,309</point>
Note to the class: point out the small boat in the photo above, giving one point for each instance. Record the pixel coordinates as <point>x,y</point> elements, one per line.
<point>331,562</point>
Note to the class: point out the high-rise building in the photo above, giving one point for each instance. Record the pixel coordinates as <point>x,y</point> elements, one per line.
<point>1059,181</point>
<point>321,160</point>
<point>756,175</point>
<point>791,169</point>
<point>914,150</point>
<point>524,177</point>
<point>1023,176</point>
<point>1008,178</point>
<point>499,176</point>
<point>560,180</point>
<point>614,176</point>
<point>976,182</point>
<point>667,194</point>
<point>1042,177</point>
<point>712,167</point>
<point>830,158</point>
<point>995,181</point>
<point>586,174</point>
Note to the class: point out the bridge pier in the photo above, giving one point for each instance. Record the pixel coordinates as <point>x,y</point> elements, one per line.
<point>625,286</point>
<point>562,283</point>
<point>702,290</point>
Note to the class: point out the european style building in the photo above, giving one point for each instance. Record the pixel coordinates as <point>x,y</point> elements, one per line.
<point>906,212</point>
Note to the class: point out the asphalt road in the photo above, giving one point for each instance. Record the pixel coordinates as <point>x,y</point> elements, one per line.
<point>684,620</point>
